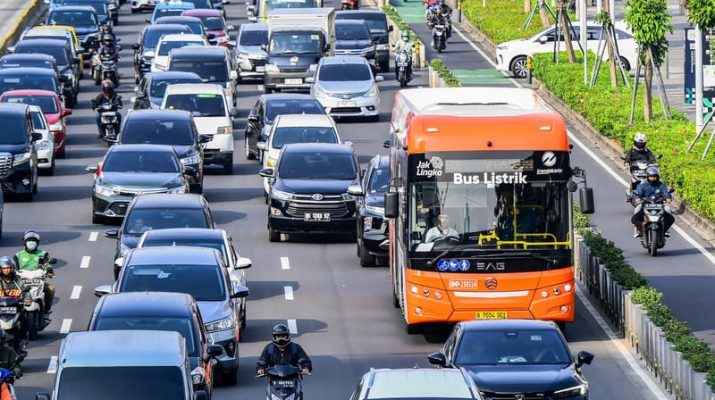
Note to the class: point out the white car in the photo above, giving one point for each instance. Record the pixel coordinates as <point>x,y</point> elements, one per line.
<point>171,42</point>
<point>46,146</point>
<point>347,87</point>
<point>296,128</point>
<point>213,116</point>
<point>511,56</point>
<point>141,5</point>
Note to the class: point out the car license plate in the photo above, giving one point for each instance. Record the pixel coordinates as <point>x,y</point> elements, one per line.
<point>346,104</point>
<point>8,310</point>
<point>492,315</point>
<point>294,81</point>
<point>462,284</point>
<point>320,217</point>
<point>260,69</point>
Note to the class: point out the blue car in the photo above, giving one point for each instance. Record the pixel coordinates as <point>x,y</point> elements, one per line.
<point>169,10</point>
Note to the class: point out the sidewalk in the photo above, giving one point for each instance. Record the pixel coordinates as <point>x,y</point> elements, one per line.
<point>11,13</point>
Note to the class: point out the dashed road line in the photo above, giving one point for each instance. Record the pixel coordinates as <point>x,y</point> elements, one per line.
<point>93,236</point>
<point>76,291</point>
<point>85,262</point>
<point>292,327</point>
<point>288,290</point>
<point>66,325</point>
<point>285,263</point>
<point>52,366</point>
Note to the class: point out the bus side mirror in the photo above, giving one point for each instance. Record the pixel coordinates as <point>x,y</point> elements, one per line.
<point>391,204</point>
<point>585,199</point>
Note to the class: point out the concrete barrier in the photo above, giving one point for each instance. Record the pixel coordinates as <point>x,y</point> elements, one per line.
<point>31,10</point>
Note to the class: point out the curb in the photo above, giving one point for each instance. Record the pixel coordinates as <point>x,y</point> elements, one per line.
<point>32,8</point>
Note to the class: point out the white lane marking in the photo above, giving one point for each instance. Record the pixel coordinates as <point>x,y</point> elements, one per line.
<point>52,366</point>
<point>85,262</point>
<point>288,290</point>
<point>93,236</point>
<point>627,356</point>
<point>76,291</point>
<point>285,263</point>
<point>292,327</point>
<point>66,325</point>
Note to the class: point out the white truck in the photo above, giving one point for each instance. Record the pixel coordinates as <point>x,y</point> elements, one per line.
<point>298,38</point>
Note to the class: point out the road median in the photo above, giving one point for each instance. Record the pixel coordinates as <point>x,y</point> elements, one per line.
<point>30,11</point>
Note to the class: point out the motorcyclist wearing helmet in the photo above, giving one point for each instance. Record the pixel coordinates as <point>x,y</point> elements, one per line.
<point>404,44</point>
<point>8,355</point>
<point>107,96</point>
<point>107,47</point>
<point>30,258</point>
<point>652,187</point>
<point>283,351</point>
<point>107,30</point>
<point>639,151</point>
<point>11,285</point>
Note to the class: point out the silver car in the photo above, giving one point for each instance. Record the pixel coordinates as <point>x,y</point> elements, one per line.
<point>347,87</point>
<point>250,57</point>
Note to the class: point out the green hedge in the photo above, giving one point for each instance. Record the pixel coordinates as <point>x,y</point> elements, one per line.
<point>397,20</point>
<point>607,110</point>
<point>443,71</point>
<point>501,20</point>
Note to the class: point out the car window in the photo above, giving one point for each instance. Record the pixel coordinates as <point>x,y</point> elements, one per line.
<point>296,165</point>
<point>351,32</point>
<point>167,12</point>
<point>47,104</point>
<point>213,23</point>
<point>37,121</point>
<point>200,3</point>
<point>209,71</point>
<point>253,38</point>
<point>200,104</point>
<point>287,135</point>
<point>141,220</point>
<point>166,47</point>
<point>203,282</point>
<point>99,7</point>
<point>276,4</point>
<point>27,82</point>
<point>523,347</point>
<point>376,22</point>
<point>212,244</point>
<point>73,18</point>
<point>275,108</point>
<point>379,179</point>
<point>12,130</point>
<point>344,73</point>
<point>154,382</point>
<point>158,85</point>
<point>293,43</point>
<point>143,131</point>
<point>138,161</point>
<point>184,326</point>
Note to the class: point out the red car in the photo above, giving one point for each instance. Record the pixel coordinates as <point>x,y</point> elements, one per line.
<point>51,106</point>
<point>214,24</point>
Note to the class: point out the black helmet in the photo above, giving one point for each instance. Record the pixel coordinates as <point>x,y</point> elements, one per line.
<point>281,335</point>
<point>653,171</point>
<point>107,38</point>
<point>107,87</point>
<point>7,262</point>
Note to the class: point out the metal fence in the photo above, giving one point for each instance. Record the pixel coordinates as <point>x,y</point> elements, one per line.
<point>646,339</point>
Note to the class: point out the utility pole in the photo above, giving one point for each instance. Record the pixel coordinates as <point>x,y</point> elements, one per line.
<point>612,10</point>
<point>698,79</point>
<point>583,36</point>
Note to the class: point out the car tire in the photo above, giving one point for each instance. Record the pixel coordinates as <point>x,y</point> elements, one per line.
<point>228,167</point>
<point>230,377</point>
<point>60,154</point>
<point>561,325</point>
<point>385,66</point>
<point>242,318</point>
<point>518,67</point>
<point>413,329</point>
<point>625,63</point>
<point>27,197</point>
<point>134,11</point>
<point>273,235</point>
<point>97,219</point>
<point>34,186</point>
<point>366,259</point>
<point>51,171</point>
<point>249,154</point>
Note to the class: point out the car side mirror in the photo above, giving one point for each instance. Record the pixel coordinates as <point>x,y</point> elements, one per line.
<point>66,112</point>
<point>214,350</point>
<point>437,358</point>
<point>386,144</point>
<point>233,75</point>
<point>136,46</point>
<point>91,169</point>
<point>230,28</point>
<point>266,172</point>
<point>100,291</point>
<point>42,396</point>
<point>253,118</point>
<point>148,20</point>
<point>36,136</point>
<point>200,395</point>
<point>585,200</point>
<point>111,233</point>
<point>355,190</point>
<point>261,146</point>
<point>239,292</point>
<point>379,78</point>
<point>189,170</point>
<point>11,49</point>
<point>310,79</point>
<point>204,139</point>
<point>243,263</point>
<point>233,112</point>
<point>391,204</point>
<point>543,39</point>
<point>264,47</point>
<point>584,357</point>
<point>390,28</point>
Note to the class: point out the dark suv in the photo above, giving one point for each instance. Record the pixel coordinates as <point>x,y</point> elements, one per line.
<point>85,22</point>
<point>379,30</point>
<point>313,189</point>
<point>372,224</point>
<point>18,157</point>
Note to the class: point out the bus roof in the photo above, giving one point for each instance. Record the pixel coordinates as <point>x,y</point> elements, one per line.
<point>472,101</point>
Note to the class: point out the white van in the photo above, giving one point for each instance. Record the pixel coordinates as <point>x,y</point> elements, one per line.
<point>213,116</point>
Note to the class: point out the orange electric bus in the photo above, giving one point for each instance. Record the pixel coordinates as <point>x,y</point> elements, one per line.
<point>480,207</point>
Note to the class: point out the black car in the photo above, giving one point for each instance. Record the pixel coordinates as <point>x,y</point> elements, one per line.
<point>516,359</point>
<point>151,88</point>
<point>201,273</point>
<point>159,211</point>
<point>352,38</point>
<point>161,311</point>
<point>64,59</point>
<point>146,46</point>
<point>85,22</point>
<point>371,221</point>
<point>131,169</point>
<point>379,30</point>
<point>267,108</point>
<point>173,128</point>
<point>313,190</point>
<point>18,157</point>
<point>100,7</point>
<point>30,79</point>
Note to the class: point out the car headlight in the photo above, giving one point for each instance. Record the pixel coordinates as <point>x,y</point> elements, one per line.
<point>105,191</point>
<point>580,390</point>
<point>21,158</point>
<point>319,92</point>
<point>376,210</point>
<point>43,145</point>
<point>367,223</point>
<point>148,54</point>
<point>56,126</point>
<point>178,189</point>
<point>197,375</point>
<point>220,325</point>
<point>243,56</point>
<point>191,159</point>
<point>271,162</point>
<point>281,195</point>
<point>348,196</point>
<point>272,68</point>
<point>222,39</point>
<point>373,92</point>
<point>367,51</point>
<point>383,46</point>
<point>224,130</point>
<point>313,67</point>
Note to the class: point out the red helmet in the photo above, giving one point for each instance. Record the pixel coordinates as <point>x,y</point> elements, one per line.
<point>107,87</point>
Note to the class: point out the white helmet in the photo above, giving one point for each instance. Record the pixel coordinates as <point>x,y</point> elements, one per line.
<point>639,141</point>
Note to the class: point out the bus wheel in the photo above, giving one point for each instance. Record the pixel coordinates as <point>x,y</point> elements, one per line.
<point>395,301</point>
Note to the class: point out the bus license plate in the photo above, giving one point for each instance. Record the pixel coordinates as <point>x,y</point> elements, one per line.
<point>462,284</point>
<point>492,315</point>
<point>319,217</point>
<point>295,81</point>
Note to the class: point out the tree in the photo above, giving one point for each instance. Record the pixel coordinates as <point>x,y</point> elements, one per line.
<point>702,13</point>
<point>604,18</point>
<point>650,22</point>
<point>565,22</point>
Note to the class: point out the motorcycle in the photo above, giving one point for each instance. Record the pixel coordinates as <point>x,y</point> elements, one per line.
<point>349,4</point>
<point>638,176</point>
<point>404,67</point>
<point>439,38</point>
<point>107,69</point>
<point>653,237</point>
<point>284,382</point>
<point>7,380</point>
<point>12,320</point>
<point>36,312</point>
<point>109,122</point>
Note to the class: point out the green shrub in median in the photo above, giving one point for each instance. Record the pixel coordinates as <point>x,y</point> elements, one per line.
<point>397,20</point>
<point>443,71</point>
<point>501,20</point>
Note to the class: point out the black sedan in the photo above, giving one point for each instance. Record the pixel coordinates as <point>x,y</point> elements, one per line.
<point>372,224</point>
<point>516,359</point>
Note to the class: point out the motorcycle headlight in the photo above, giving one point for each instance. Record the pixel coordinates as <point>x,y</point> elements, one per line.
<point>56,126</point>
<point>220,325</point>
<point>224,130</point>
<point>272,68</point>
<point>101,190</point>
<point>178,189</point>
<point>281,195</point>
<point>191,159</point>
<point>376,210</point>
<point>197,375</point>
<point>21,158</point>
<point>580,390</point>
<point>373,92</point>
<point>43,145</point>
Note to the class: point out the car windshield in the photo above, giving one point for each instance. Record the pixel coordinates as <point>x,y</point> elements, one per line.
<point>213,23</point>
<point>344,73</point>
<point>275,108</point>
<point>209,71</point>
<point>26,64</point>
<point>200,3</point>
<point>523,347</point>
<point>351,32</point>
<point>166,47</point>
<point>192,242</point>
<point>12,130</point>
<point>196,27</point>
<point>276,4</point>
<point>99,7</point>
<point>140,161</point>
<point>152,36</point>
<point>379,180</point>
<point>72,18</point>
<point>376,22</point>
<point>184,326</point>
<point>168,12</point>
<point>144,131</point>
<point>310,134</point>
<point>203,282</point>
<point>253,38</point>
<point>158,86</point>
<point>145,219</point>
<point>295,165</point>
<point>295,43</point>
<point>146,383</point>
<point>46,103</point>
<point>200,105</point>
<point>19,82</point>
<point>59,53</point>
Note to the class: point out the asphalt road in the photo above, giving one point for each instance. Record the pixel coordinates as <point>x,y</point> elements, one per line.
<point>343,313</point>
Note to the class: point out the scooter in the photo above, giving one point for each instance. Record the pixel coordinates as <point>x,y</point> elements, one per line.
<point>439,37</point>
<point>349,4</point>
<point>638,176</point>
<point>7,380</point>
<point>12,320</point>
<point>109,122</point>
<point>653,237</point>
<point>284,382</point>
<point>36,312</point>
<point>107,70</point>
<point>403,61</point>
